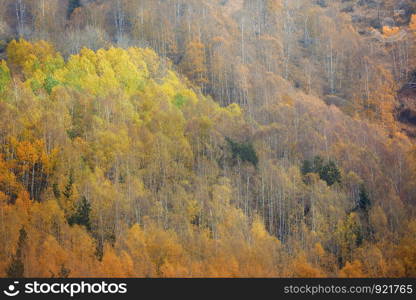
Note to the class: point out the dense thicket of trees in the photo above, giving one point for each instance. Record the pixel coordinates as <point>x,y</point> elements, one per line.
<point>205,138</point>
<point>350,53</point>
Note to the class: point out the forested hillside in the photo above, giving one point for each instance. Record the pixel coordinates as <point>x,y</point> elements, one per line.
<point>193,138</point>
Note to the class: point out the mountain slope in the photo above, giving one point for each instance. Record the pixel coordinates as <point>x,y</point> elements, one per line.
<point>261,140</point>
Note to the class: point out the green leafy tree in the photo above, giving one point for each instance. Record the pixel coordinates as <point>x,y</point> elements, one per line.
<point>50,83</point>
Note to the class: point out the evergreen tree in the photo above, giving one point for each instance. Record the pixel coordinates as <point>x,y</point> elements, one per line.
<point>82,214</point>
<point>64,272</point>
<point>307,167</point>
<point>72,5</point>
<point>68,188</point>
<point>243,151</point>
<point>318,164</point>
<point>16,268</point>
<point>330,173</point>
<point>364,201</point>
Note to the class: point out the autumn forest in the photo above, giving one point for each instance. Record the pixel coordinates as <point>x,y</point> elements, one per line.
<point>207,138</point>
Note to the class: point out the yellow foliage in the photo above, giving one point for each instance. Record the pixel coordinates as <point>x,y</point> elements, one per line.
<point>302,268</point>
<point>352,270</point>
<point>390,31</point>
<point>147,155</point>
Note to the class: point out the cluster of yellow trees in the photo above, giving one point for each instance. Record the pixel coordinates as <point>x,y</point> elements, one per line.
<point>119,129</point>
<point>111,164</point>
<point>239,51</point>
